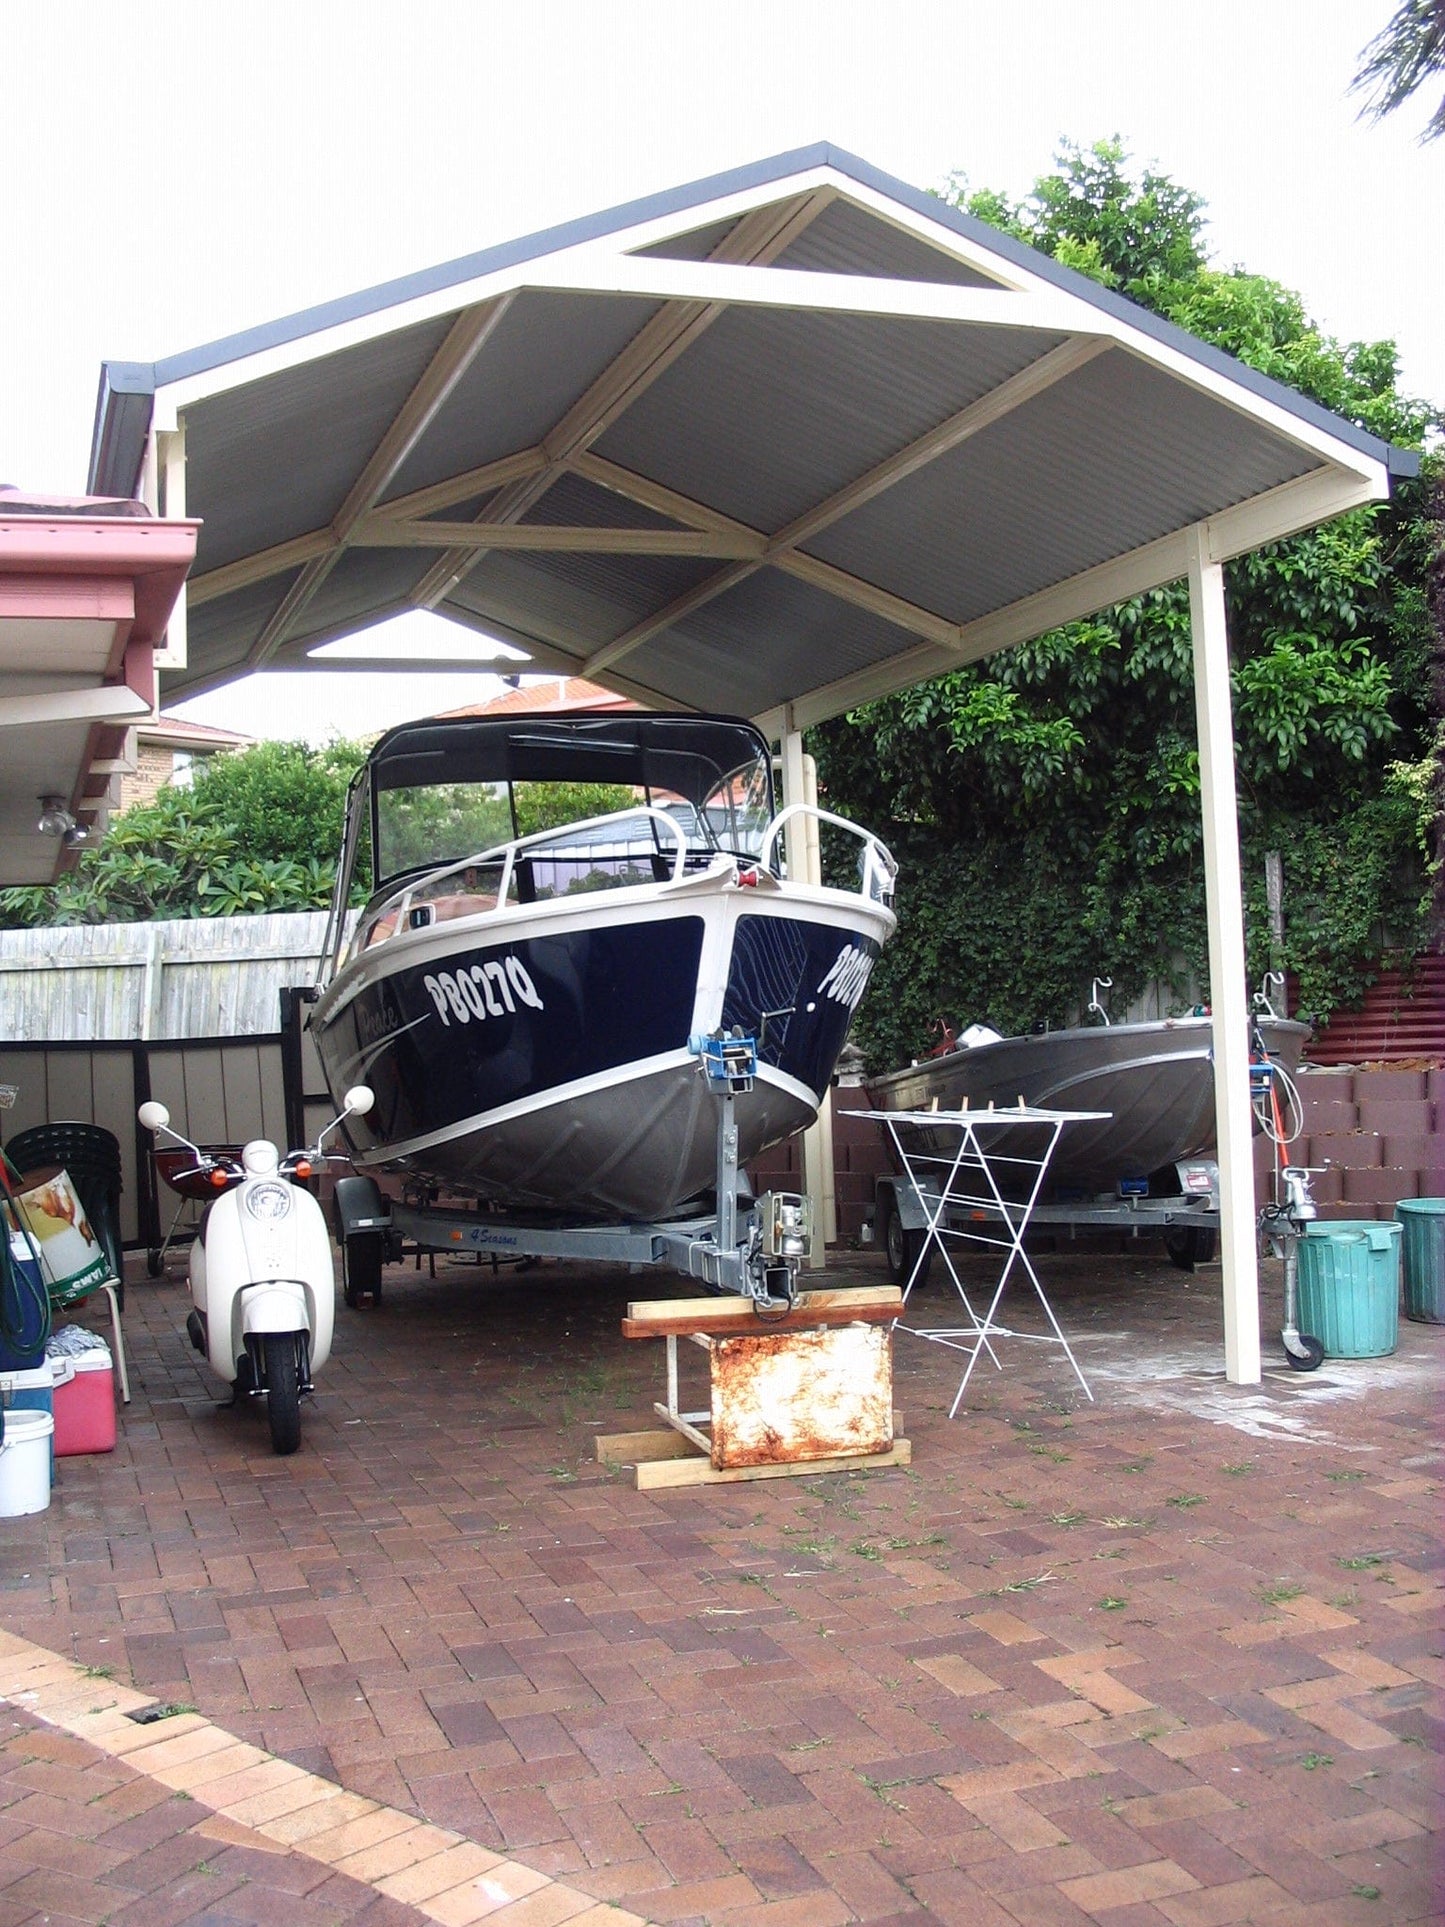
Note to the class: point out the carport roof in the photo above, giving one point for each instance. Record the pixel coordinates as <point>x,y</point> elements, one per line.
<point>775,442</point>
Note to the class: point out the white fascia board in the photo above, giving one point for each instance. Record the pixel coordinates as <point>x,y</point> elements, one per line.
<point>112,704</point>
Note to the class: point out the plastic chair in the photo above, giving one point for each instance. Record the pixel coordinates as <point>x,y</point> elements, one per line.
<point>91,1155</point>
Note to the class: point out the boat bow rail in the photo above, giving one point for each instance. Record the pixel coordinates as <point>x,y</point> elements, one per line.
<point>487,883</point>
<point>878,873</point>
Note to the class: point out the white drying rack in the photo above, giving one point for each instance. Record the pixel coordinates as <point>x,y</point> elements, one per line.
<point>946,1159</point>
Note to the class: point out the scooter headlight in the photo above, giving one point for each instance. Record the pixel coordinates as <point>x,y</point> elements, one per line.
<point>268,1202</point>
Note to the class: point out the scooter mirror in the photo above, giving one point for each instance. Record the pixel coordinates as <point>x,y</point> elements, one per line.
<point>153,1116</point>
<point>359,1099</point>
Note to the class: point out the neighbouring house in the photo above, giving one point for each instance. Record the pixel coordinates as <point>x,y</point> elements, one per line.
<point>552,693</point>
<point>168,750</point>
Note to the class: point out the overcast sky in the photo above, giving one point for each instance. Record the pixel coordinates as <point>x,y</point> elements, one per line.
<point>179,169</point>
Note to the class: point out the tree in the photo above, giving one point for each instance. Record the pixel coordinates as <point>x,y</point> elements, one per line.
<point>259,831</point>
<point>1406,52</point>
<point>1058,782</point>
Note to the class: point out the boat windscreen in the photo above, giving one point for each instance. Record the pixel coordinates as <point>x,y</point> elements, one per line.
<point>445,789</point>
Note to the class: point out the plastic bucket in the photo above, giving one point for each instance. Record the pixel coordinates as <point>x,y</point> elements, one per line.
<point>1422,1222</point>
<point>25,1462</point>
<point>1349,1286</point>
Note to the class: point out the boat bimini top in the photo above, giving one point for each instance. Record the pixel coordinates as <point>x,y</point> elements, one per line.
<point>626,795</point>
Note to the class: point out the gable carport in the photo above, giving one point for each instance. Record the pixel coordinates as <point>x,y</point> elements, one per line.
<point>774,443</point>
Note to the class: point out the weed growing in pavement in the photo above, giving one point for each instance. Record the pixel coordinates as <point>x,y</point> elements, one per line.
<point>1309,1761</point>
<point>1121,1522</point>
<point>865,1549</point>
<point>98,1672</point>
<point>1066,1518</point>
<point>1019,1585</point>
<point>1345,1478</point>
<point>1183,1499</point>
<point>1112,1603</point>
<point>1365,1891</point>
<point>1240,1470</point>
<point>1049,1452</point>
<point>1139,1465</point>
<point>818,1548</point>
<point>1014,1505</point>
<point>1363,1561</point>
<point>1281,1592</point>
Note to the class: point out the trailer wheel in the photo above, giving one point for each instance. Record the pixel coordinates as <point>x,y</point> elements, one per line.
<point>1190,1245</point>
<point>154,1262</point>
<point>361,1268</point>
<point>901,1247</point>
<point>1309,1358</point>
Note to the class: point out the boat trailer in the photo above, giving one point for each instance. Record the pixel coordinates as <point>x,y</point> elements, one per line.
<point>1188,1221</point>
<point>751,1249</point>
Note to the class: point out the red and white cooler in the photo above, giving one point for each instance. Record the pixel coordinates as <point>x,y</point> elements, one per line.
<point>84,1402</point>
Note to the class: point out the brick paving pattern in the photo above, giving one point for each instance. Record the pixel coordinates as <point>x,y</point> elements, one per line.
<point>1171,1657</point>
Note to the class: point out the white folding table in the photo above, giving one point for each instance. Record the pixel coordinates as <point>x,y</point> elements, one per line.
<point>977,1175</point>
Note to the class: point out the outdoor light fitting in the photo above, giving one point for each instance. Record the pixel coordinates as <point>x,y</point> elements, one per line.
<point>55,819</point>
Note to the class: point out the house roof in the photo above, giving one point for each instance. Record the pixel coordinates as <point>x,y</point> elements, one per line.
<point>773,442</point>
<point>87,588</point>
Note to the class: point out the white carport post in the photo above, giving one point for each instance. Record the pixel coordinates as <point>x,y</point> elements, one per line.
<point>805,866</point>
<point>1228,995</point>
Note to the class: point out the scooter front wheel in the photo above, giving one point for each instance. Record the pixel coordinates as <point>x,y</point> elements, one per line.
<point>283,1391</point>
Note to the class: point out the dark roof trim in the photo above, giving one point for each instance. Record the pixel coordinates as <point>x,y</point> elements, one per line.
<point>113,446</point>
<point>122,417</point>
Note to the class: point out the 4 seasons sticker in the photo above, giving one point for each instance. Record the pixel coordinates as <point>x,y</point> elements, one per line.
<point>847,976</point>
<point>483,990</point>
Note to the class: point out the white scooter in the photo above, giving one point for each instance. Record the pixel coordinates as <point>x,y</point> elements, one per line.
<point>262,1286</point>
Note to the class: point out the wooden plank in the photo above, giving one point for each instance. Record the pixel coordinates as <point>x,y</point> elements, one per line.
<point>659,1474</point>
<point>638,1448</point>
<point>730,1316</point>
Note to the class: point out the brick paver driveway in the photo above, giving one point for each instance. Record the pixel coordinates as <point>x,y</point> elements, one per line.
<point>1172,1656</point>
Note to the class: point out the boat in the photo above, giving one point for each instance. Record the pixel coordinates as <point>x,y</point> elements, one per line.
<point>564,905</point>
<point>1154,1080</point>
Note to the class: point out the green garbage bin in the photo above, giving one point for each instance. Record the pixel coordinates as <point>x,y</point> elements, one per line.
<point>1349,1286</point>
<point>1422,1223</point>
